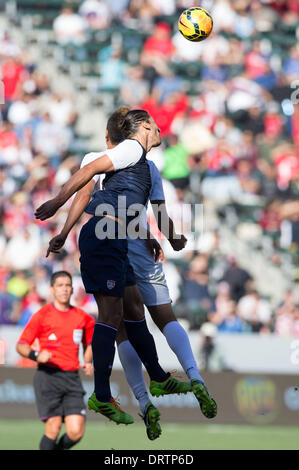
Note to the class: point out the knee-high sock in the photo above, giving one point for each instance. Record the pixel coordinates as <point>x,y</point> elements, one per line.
<point>143,343</point>
<point>47,444</point>
<point>103,351</point>
<point>66,443</point>
<point>132,366</point>
<point>178,341</point>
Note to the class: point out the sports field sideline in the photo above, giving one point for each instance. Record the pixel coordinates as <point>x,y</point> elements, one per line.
<point>25,435</point>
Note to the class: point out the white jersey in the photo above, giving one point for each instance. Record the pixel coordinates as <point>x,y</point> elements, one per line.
<point>91,157</point>
<point>124,155</point>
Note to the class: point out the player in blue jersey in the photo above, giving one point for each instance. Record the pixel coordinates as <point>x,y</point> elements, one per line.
<point>154,291</point>
<point>104,263</point>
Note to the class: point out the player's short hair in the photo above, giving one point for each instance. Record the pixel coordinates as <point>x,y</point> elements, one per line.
<point>132,122</point>
<point>59,274</point>
<point>115,123</point>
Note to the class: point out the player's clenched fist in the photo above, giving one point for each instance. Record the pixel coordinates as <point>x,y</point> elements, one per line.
<point>178,243</point>
<point>155,249</point>
<point>55,244</point>
<point>47,210</point>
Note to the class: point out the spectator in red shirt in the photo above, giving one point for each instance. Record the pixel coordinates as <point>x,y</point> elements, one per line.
<point>60,328</point>
<point>158,49</point>
<point>220,157</point>
<point>283,6</point>
<point>13,72</point>
<point>255,62</point>
<point>286,160</point>
<point>165,113</point>
<point>160,43</point>
<point>273,121</point>
<point>295,126</point>
<point>8,138</point>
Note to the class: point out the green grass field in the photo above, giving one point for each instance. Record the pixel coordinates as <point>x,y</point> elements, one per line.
<point>25,435</point>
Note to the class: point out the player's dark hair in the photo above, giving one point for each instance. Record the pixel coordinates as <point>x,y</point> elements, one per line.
<point>59,274</point>
<point>132,122</point>
<point>115,123</point>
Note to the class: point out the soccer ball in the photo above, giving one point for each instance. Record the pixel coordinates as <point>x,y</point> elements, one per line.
<point>195,24</point>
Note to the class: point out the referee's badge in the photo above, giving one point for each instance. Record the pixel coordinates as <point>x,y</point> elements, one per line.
<point>77,336</point>
<point>110,284</point>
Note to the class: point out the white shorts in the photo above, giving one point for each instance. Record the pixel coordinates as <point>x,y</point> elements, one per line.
<point>150,279</point>
<point>153,294</point>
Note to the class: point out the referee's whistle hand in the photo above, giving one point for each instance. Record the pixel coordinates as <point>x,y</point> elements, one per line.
<point>44,356</point>
<point>88,368</point>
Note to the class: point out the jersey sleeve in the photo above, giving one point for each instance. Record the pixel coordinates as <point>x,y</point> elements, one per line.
<point>156,192</point>
<point>90,157</point>
<point>88,329</point>
<point>125,154</point>
<point>31,330</point>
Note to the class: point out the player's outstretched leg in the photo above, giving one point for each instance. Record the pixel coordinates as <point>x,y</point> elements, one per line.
<point>103,351</point>
<point>207,404</point>
<point>169,386</point>
<point>132,366</point>
<point>151,419</point>
<point>110,409</point>
<point>179,342</point>
<point>143,343</point>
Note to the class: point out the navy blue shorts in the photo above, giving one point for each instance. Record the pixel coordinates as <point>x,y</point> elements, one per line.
<point>105,266</point>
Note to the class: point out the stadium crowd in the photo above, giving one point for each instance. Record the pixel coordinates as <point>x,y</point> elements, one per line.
<point>229,117</point>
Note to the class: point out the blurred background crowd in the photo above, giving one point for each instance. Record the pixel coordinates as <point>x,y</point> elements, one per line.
<point>229,118</point>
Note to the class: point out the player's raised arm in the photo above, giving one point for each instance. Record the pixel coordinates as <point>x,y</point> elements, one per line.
<point>77,208</point>
<point>164,222</point>
<point>166,226</point>
<point>102,164</point>
<point>125,154</point>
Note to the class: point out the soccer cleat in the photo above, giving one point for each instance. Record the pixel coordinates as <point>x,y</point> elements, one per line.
<point>151,420</point>
<point>207,404</point>
<point>111,410</point>
<point>169,386</point>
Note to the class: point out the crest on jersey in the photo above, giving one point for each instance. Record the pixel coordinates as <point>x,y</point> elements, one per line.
<point>110,284</point>
<point>77,336</point>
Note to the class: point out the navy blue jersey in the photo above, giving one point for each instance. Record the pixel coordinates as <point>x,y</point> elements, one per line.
<point>133,183</point>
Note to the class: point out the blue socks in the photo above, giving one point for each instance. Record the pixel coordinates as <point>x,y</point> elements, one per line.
<point>103,351</point>
<point>143,343</point>
<point>178,341</point>
<point>133,371</point>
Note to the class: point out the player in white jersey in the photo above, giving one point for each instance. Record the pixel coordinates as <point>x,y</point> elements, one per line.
<point>153,287</point>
